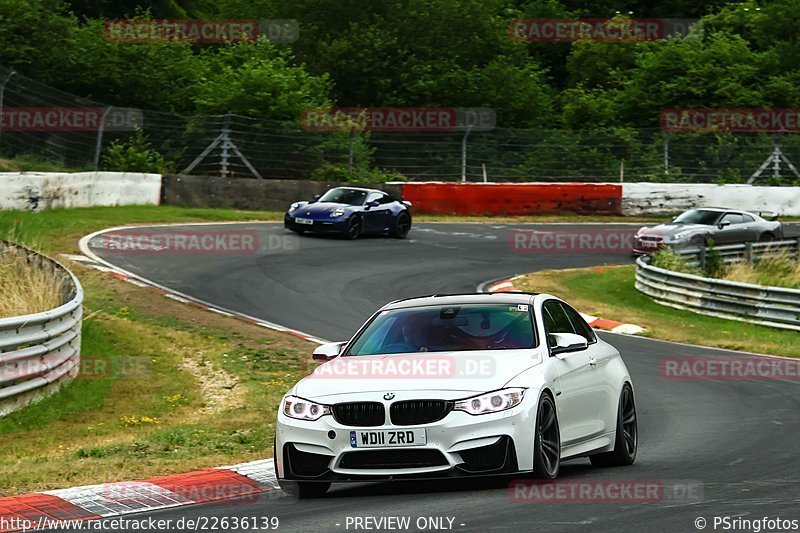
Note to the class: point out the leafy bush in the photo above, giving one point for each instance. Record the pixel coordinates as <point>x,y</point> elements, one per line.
<point>715,266</point>
<point>136,155</point>
<point>340,172</point>
<point>669,260</point>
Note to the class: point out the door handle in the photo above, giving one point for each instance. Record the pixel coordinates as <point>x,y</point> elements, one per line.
<point>593,361</point>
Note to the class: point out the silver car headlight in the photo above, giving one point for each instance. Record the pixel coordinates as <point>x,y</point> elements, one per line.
<point>337,212</point>
<point>491,402</point>
<point>294,206</point>
<point>680,235</point>
<point>301,409</point>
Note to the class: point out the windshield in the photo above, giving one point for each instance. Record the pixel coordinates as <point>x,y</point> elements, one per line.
<point>698,216</point>
<point>344,196</point>
<point>448,328</point>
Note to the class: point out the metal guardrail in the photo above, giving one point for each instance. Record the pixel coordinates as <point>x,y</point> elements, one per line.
<point>735,253</point>
<point>39,352</point>
<point>769,306</point>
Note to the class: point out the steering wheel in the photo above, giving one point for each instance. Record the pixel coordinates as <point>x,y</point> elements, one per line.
<point>399,347</point>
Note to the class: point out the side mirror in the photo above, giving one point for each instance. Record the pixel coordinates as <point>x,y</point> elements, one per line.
<point>372,204</point>
<point>327,351</point>
<point>566,343</point>
<point>316,197</point>
<point>724,224</point>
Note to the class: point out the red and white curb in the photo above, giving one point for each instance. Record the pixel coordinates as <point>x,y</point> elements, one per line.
<point>44,509</point>
<point>507,285</point>
<point>92,260</point>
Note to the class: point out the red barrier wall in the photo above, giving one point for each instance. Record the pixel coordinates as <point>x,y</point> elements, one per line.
<point>514,198</point>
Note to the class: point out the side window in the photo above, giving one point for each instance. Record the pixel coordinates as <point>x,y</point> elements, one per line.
<point>555,319</point>
<point>374,197</point>
<point>581,327</point>
<point>747,219</point>
<point>733,218</point>
<point>385,199</point>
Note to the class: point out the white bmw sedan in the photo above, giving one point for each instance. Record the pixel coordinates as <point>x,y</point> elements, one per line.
<point>457,385</point>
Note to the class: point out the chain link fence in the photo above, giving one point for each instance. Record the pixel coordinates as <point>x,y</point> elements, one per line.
<point>236,146</point>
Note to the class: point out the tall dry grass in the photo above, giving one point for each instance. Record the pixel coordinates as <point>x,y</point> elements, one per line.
<point>781,270</point>
<point>26,288</point>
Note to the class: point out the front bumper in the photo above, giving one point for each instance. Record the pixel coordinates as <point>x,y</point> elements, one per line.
<point>458,445</point>
<point>330,225</point>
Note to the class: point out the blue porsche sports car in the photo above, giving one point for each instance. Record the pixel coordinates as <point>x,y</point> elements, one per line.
<point>350,211</point>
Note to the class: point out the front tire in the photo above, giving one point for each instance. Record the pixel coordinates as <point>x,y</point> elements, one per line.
<point>627,441</point>
<point>546,440</point>
<point>354,227</point>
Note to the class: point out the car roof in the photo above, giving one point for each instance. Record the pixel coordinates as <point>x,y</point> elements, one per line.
<point>358,189</point>
<point>467,298</point>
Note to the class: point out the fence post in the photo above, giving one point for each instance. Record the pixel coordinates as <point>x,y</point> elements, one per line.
<point>2,98</point>
<point>99,146</point>
<point>666,153</point>
<point>350,150</point>
<point>224,153</point>
<point>464,155</point>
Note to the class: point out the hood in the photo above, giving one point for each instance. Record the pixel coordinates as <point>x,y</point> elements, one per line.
<point>454,374</point>
<point>668,230</point>
<point>318,209</point>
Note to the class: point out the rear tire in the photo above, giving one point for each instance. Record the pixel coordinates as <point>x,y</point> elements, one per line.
<point>546,440</point>
<point>627,439</point>
<point>766,237</point>
<point>402,225</point>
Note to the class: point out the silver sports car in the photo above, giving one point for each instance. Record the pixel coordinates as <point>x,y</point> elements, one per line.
<point>697,227</point>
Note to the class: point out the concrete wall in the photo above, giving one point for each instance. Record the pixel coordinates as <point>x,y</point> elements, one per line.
<point>47,190</point>
<point>243,193</point>
<point>514,198</point>
<point>667,198</point>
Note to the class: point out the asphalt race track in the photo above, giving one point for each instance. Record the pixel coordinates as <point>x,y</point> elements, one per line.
<point>737,440</point>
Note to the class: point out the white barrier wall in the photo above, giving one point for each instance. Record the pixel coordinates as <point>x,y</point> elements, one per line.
<point>35,191</point>
<point>666,198</point>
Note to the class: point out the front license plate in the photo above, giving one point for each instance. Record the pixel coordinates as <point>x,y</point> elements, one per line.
<point>307,221</point>
<point>387,438</point>
<point>649,244</point>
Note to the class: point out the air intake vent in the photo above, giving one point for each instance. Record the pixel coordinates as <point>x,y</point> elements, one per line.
<point>411,412</point>
<point>360,414</point>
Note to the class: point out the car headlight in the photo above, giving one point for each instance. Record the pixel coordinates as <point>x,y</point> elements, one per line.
<point>680,235</point>
<point>301,409</point>
<point>337,212</point>
<point>491,402</point>
<point>294,206</point>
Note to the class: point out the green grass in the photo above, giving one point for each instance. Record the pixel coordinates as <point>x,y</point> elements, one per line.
<point>609,292</point>
<point>178,388</point>
<point>29,163</point>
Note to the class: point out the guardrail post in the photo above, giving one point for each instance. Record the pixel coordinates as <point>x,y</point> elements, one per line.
<point>701,258</point>
<point>748,252</point>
